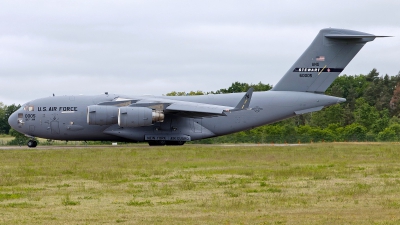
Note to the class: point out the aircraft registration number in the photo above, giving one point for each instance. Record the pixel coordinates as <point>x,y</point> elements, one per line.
<point>167,138</point>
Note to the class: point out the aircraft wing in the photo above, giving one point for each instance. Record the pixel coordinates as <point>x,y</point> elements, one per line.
<point>182,108</point>
<point>195,108</point>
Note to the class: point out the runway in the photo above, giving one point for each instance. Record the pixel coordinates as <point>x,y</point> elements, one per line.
<point>144,145</point>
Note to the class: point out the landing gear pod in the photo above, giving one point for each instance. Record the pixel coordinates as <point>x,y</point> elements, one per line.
<point>102,115</point>
<point>138,117</point>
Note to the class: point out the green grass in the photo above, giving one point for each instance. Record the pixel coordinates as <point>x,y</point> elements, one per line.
<point>4,139</point>
<point>331,183</point>
<point>67,201</point>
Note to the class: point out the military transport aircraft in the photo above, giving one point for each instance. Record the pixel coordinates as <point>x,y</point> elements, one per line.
<point>173,120</point>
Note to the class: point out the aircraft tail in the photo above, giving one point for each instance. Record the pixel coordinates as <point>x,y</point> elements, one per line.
<point>324,60</point>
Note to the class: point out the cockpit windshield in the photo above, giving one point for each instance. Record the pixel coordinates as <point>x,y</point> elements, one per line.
<point>29,108</point>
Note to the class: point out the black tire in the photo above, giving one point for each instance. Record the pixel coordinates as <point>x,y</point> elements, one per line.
<point>175,143</point>
<point>180,142</point>
<point>152,143</point>
<point>156,143</point>
<point>31,144</point>
<point>34,144</point>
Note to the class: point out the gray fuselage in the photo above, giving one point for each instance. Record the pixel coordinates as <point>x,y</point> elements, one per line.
<point>65,117</point>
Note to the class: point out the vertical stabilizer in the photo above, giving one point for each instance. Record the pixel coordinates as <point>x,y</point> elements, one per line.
<point>324,60</point>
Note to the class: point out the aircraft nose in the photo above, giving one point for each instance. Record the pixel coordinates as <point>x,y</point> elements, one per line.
<point>13,120</point>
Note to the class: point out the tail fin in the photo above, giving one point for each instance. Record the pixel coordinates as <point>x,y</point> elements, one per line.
<point>324,59</point>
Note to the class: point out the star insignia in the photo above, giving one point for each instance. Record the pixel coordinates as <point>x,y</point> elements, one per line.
<point>257,109</point>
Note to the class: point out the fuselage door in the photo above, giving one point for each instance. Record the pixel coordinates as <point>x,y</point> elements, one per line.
<point>31,129</point>
<point>54,125</point>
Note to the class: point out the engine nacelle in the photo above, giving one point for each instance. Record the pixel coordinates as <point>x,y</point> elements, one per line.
<point>138,116</point>
<point>102,115</point>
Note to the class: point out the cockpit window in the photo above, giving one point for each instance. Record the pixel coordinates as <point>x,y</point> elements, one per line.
<point>29,108</point>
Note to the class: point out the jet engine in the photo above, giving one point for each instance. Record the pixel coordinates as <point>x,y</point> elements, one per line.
<point>102,115</point>
<point>138,116</point>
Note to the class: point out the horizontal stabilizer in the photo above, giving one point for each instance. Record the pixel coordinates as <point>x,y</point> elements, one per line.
<point>304,111</point>
<point>352,36</point>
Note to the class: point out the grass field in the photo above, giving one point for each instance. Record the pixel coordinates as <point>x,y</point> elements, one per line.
<point>5,138</point>
<point>331,183</point>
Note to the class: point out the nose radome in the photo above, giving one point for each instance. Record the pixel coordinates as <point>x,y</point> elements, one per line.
<point>12,120</point>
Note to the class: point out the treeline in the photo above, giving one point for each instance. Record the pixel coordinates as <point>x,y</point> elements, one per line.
<point>234,88</point>
<point>5,112</point>
<point>371,113</point>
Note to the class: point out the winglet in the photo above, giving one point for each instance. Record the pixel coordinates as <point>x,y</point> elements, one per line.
<point>245,101</point>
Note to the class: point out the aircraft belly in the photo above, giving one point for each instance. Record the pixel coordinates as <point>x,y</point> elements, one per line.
<point>248,119</point>
<point>173,128</point>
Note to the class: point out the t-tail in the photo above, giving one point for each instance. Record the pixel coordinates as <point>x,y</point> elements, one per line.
<point>324,60</point>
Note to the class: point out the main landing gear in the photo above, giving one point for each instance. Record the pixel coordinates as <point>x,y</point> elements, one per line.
<point>32,144</point>
<point>161,143</point>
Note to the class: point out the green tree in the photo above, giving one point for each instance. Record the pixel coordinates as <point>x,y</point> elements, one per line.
<point>365,114</point>
<point>195,93</point>
<point>354,132</point>
<point>5,112</point>
<point>382,122</point>
<point>243,87</point>
<point>3,119</point>
<point>328,115</point>
<point>387,134</point>
<point>174,93</point>
<point>391,133</point>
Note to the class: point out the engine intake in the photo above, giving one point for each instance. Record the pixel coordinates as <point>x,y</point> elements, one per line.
<point>138,116</point>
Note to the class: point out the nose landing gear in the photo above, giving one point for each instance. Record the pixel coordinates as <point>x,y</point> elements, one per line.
<point>32,143</point>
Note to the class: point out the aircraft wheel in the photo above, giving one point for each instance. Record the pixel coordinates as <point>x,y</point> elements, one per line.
<point>32,144</point>
<point>152,143</point>
<point>156,143</point>
<point>175,142</point>
<point>180,142</point>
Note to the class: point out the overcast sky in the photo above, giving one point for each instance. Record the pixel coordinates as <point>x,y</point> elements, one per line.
<point>155,47</point>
